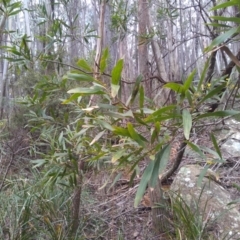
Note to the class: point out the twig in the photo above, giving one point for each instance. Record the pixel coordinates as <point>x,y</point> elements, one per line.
<point>176,163</point>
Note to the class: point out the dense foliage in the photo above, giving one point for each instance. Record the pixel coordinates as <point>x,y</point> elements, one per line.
<point>77,120</point>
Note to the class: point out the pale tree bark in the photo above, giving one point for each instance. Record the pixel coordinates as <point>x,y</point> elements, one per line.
<point>170,42</point>
<point>161,70</point>
<point>108,37</point>
<point>27,22</point>
<point>162,94</point>
<point>127,72</point>
<point>73,15</point>
<point>2,25</point>
<point>4,63</point>
<point>50,8</point>
<point>142,45</point>
<point>3,87</point>
<point>4,78</point>
<point>181,54</point>
<point>159,214</point>
<point>99,47</point>
<point>100,39</point>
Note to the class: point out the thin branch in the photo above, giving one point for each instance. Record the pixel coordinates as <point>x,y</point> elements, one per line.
<point>176,163</point>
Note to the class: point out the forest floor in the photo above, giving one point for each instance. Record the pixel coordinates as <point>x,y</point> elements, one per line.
<point>111,214</point>
<point>108,211</point>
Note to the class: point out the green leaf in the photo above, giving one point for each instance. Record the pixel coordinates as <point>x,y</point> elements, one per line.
<point>212,93</point>
<point>225,113</point>
<point>120,115</point>
<point>107,106</point>
<point>121,131</point>
<point>114,90</point>
<point>135,172</point>
<point>137,157</point>
<point>147,111</point>
<point>138,119</point>
<point>135,89</point>
<point>116,72</point>
<point>203,74</point>
<point>160,112</point>
<point>202,175</point>
<point>154,136</point>
<point>155,172</point>
<point>213,153</point>
<point>14,12</point>
<point>39,162</point>
<point>189,80</point>
<point>134,135</point>
<point>187,123</point>
<point>165,155</point>
<point>72,98</point>
<point>175,87</point>
<point>14,51</point>
<point>104,124</point>
<point>84,65</point>
<point>82,132</point>
<point>155,132</point>
<point>87,91</point>
<point>97,137</point>
<point>196,149</point>
<point>141,97</point>
<point>117,155</point>
<point>189,97</point>
<point>103,61</point>
<point>157,127</point>
<point>114,181</point>
<point>227,19</point>
<point>161,160</point>
<point>80,77</point>
<point>143,183</point>
<point>219,25</point>
<point>225,5</point>
<point>116,77</point>
<point>222,38</point>
<point>60,139</point>
<point>216,145</point>
<point>163,118</point>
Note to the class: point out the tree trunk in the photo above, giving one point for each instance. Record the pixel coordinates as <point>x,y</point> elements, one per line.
<point>160,65</point>
<point>142,45</point>
<point>160,210</point>
<point>99,46</point>
<point>100,39</point>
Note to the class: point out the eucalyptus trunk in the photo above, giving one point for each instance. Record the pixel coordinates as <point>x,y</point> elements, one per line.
<point>142,45</point>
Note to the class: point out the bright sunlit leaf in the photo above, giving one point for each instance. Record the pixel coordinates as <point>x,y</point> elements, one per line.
<point>187,123</point>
